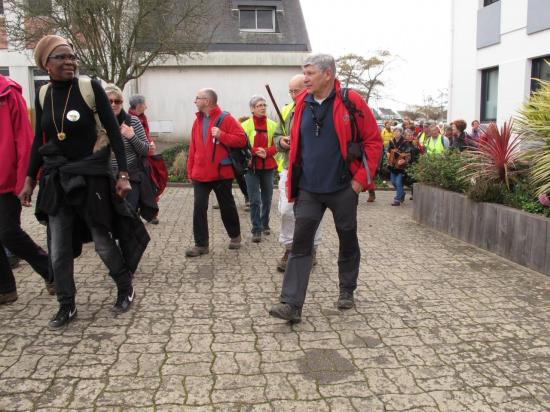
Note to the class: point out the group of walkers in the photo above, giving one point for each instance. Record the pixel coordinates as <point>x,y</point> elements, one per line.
<point>405,143</point>
<point>87,155</point>
<point>326,149</point>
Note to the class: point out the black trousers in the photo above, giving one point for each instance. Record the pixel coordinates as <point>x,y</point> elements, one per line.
<point>61,252</point>
<point>19,243</point>
<point>309,209</point>
<point>228,209</point>
<point>242,185</point>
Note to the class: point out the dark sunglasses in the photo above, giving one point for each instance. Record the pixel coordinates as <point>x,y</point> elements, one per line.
<point>115,101</point>
<point>67,56</point>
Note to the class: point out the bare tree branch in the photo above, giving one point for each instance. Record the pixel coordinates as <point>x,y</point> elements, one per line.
<point>117,40</point>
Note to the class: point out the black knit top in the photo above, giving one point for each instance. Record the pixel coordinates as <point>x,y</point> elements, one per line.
<point>78,124</point>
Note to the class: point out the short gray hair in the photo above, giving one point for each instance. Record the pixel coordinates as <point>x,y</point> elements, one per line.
<point>212,96</point>
<point>323,62</point>
<point>136,99</point>
<point>254,100</point>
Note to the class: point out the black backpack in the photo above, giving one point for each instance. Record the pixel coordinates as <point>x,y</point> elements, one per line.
<point>240,156</point>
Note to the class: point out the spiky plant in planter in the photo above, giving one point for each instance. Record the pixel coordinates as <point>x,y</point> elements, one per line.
<point>533,124</point>
<point>497,158</point>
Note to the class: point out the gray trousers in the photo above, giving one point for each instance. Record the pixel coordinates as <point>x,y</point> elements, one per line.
<point>309,209</point>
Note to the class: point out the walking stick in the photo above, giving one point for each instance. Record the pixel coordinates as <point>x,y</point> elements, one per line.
<point>276,108</point>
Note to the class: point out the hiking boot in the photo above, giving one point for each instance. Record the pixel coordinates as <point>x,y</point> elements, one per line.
<point>396,203</point>
<point>50,287</point>
<point>215,206</point>
<point>345,300</point>
<point>247,206</point>
<point>267,231</point>
<point>154,221</point>
<point>8,297</point>
<point>64,316</point>
<point>314,258</point>
<point>257,237</point>
<point>372,196</point>
<point>196,251</point>
<point>124,300</point>
<point>281,264</point>
<point>286,311</point>
<point>235,243</point>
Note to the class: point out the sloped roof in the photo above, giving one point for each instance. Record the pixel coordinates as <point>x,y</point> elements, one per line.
<point>290,33</point>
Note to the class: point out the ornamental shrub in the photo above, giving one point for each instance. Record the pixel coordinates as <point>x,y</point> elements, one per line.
<point>440,170</point>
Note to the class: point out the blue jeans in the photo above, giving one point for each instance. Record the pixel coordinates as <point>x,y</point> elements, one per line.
<point>260,191</point>
<point>397,182</point>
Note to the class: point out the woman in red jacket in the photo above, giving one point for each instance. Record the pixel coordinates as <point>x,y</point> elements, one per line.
<point>259,179</point>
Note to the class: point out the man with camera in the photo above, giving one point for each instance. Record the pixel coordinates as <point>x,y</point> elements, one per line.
<point>335,146</point>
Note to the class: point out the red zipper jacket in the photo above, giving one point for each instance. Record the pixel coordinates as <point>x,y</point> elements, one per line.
<point>261,140</point>
<point>16,137</point>
<point>369,135</point>
<point>200,165</point>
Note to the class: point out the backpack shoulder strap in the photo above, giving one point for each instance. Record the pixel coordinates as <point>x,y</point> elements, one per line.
<point>220,119</point>
<point>85,86</point>
<point>42,94</point>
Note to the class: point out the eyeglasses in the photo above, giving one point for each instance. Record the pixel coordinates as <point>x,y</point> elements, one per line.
<point>261,105</point>
<point>200,98</point>
<point>115,101</point>
<point>294,91</point>
<point>62,57</point>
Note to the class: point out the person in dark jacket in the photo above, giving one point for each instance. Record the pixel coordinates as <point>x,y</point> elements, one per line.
<point>15,144</point>
<point>136,146</point>
<point>460,139</point>
<point>76,183</point>
<point>402,153</point>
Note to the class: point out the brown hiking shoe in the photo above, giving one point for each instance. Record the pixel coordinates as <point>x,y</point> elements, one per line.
<point>281,264</point>
<point>372,196</point>
<point>257,237</point>
<point>196,251</point>
<point>235,243</point>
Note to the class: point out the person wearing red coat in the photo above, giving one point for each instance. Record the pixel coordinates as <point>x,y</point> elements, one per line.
<point>326,170</point>
<point>16,138</point>
<point>209,168</point>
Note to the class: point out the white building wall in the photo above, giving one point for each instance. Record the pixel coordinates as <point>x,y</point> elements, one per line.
<point>171,91</point>
<point>512,55</point>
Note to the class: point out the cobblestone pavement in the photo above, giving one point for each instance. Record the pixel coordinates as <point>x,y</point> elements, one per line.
<point>439,326</point>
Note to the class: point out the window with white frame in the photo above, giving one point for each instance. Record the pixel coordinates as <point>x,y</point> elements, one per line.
<point>4,71</point>
<point>489,2</point>
<point>489,94</point>
<point>260,19</point>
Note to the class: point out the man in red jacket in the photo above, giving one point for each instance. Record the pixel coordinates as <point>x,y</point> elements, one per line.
<point>15,145</point>
<point>328,168</point>
<point>209,168</point>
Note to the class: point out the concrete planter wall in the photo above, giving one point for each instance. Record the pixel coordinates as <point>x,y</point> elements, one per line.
<point>515,235</point>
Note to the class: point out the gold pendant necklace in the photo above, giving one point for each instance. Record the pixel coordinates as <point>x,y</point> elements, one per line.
<point>60,134</point>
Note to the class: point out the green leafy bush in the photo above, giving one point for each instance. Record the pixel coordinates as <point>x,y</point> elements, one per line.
<point>441,170</point>
<point>523,196</point>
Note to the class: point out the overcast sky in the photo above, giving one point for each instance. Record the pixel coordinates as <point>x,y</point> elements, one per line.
<point>418,31</point>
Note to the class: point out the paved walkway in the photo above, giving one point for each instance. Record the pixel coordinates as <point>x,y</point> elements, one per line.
<point>439,326</point>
